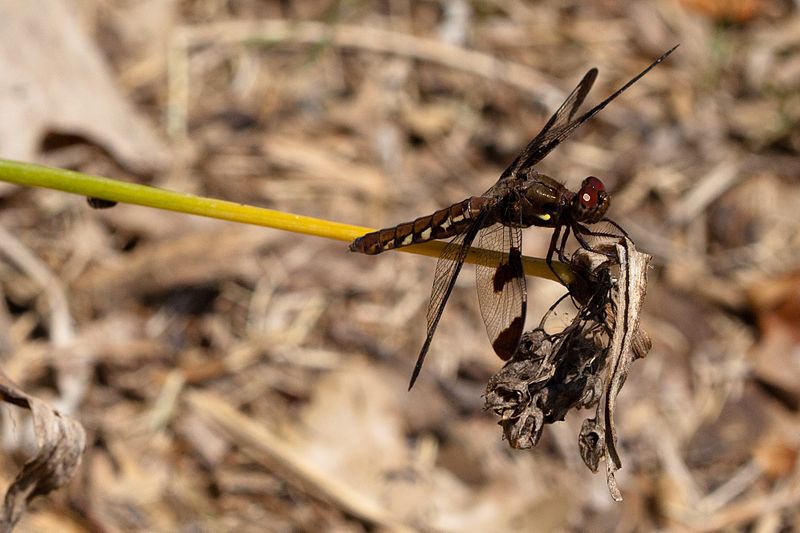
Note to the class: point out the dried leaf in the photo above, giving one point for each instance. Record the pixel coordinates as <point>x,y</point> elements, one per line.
<point>78,96</point>
<point>591,442</point>
<point>550,375</point>
<point>776,303</point>
<point>60,440</point>
<point>631,288</point>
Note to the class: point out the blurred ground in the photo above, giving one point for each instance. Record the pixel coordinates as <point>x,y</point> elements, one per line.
<point>236,378</point>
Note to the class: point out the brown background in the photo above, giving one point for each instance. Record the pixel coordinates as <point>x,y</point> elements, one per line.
<point>238,378</point>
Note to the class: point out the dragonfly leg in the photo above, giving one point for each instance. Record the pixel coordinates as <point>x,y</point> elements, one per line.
<point>555,248</point>
<point>550,311</point>
<point>561,255</point>
<point>617,226</point>
<point>580,234</point>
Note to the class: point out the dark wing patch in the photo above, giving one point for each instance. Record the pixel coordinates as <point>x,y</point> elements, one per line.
<point>506,272</point>
<point>502,292</point>
<point>447,268</point>
<point>562,124</point>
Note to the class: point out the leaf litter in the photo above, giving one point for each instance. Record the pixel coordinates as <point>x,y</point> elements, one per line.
<point>169,310</point>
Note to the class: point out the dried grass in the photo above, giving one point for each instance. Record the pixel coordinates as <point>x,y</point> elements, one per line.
<point>232,378</point>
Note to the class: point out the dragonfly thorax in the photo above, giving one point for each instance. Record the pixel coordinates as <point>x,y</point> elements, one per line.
<point>541,201</point>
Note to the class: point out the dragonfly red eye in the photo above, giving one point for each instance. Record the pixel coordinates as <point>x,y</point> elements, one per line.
<point>591,202</point>
<point>590,191</point>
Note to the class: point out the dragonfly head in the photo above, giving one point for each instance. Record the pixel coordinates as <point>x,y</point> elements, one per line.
<point>591,202</point>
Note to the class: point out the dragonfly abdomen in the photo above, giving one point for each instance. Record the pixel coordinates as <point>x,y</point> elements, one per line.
<point>444,223</point>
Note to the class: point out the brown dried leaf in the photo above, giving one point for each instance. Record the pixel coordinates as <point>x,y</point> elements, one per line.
<point>60,440</point>
<point>632,286</point>
<point>776,303</point>
<point>55,79</point>
<point>575,368</point>
<point>591,442</point>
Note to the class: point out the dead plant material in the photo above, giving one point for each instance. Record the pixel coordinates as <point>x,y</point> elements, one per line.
<point>60,440</point>
<point>582,366</point>
<point>263,445</point>
<point>313,343</point>
<point>79,98</point>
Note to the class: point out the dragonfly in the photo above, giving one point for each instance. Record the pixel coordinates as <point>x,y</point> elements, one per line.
<point>521,197</point>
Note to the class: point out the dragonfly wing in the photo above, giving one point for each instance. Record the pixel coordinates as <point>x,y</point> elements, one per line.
<point>539,146</point>
<point>447,269</point>
<point>502,292</point>
<point>563,123</point>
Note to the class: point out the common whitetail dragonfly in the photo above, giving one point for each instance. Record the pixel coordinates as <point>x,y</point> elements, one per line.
<point>521,198</point>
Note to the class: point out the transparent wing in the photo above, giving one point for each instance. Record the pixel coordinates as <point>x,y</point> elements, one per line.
<point>447,268</point>
<point>552,133</point>
<point>562,124</point>
<point>502,293</point>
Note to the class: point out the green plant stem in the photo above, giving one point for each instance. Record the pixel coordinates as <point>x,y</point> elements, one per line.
<point>30,175</point>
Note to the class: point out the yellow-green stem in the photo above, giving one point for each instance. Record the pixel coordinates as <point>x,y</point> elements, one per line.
<point>132,193</point>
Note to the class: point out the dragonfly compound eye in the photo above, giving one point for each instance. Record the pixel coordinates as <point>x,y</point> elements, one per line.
<point>591,202</point>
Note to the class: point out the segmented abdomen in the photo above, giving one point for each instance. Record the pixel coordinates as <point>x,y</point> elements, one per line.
<point>441,224</point>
